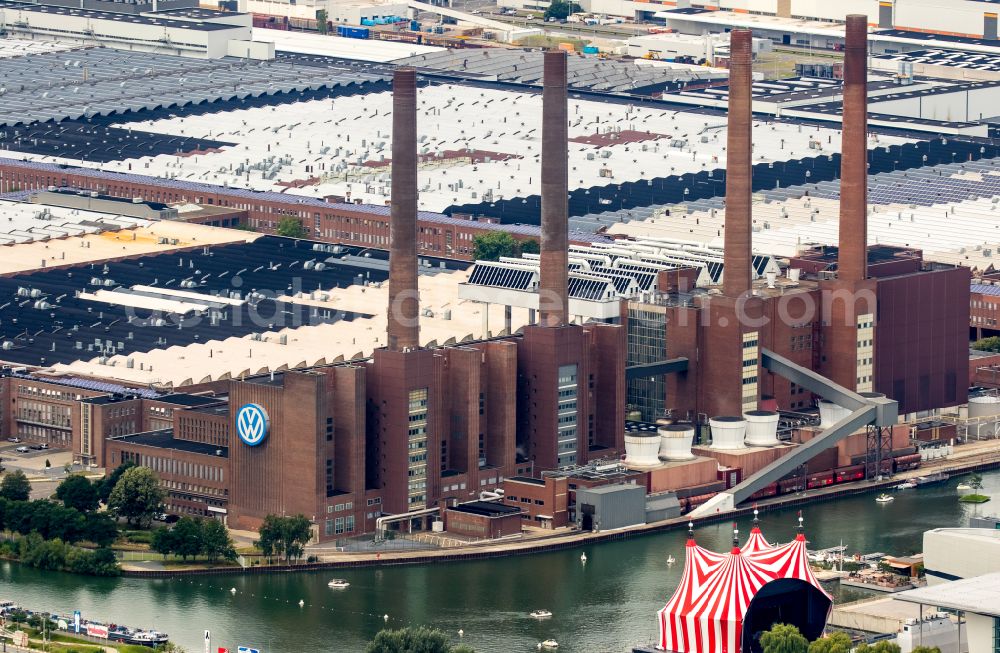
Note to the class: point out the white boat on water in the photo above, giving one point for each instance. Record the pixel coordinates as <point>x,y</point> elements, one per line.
<point>541,614</point>
<point>670,560</point>
<point>549,644</point>
<point>885,498</point>
<point>906,485</point>
<point>338,583</point>
<point>964,487</point>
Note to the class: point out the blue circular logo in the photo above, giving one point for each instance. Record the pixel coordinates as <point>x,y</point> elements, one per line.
<point>252,424</point>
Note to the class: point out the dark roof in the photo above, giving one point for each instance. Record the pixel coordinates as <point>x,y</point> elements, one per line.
<point>135,19</point>
<point>164,439</point>
<point>923,36</point>
<point>526,479</point>
<point>66,328</point>
<point>486,509</point>
<point>183,399</point>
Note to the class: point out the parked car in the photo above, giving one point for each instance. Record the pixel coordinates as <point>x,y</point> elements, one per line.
<point>38,447</point>
<point>22,450</point>
<point>13,439</point>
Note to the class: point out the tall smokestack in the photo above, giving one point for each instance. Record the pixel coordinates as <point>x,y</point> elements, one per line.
<point>736,276</point>
<point>852,256</point>
<point>553,292</point>
<point>404,328</point>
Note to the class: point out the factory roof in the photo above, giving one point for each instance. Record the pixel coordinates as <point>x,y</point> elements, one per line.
<point>333,315</point>
<point>376,51</point>
<point>101,81</point>
<point>584,72</point>
<point>926,37</point>
<point>118,17</point>
<point>949,58</point>
<point>15,47</point>
<point>27,222</point>
<point>948,211</point>
<point>486,509</point>
<point>978,595</point>
<point>728,19</point>
<point>164,439</point>
<point>480,146</point>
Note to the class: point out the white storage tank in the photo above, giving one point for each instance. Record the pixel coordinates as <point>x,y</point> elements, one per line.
<point>642,446</point>
<point>675,441</point>
<point>728,432</point>
<point>830,413</point>
<point>762,428</point>
<point>985,406</point>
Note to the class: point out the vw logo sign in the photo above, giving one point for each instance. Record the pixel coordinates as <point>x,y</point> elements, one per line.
<point>252,424</point>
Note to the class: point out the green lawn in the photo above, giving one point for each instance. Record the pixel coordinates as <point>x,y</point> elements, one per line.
<point>974,498</point>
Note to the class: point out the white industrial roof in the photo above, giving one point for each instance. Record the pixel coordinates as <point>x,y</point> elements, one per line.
<point>451,319</point>
<point>14,47</point>
<point>965,232</point>
<point>757,21</point>
<point>24,223</point>
<point>324,143</point>
<point>979,595</point>
<point>361,49</point>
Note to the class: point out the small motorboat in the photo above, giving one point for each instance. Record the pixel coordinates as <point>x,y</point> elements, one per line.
<point>150,638</point>
<point>964,487</point>
<point>670,559</point>
<point>583,558</point>
<point>548,644</point>
<point>540,614</point>
<point>338,583</point>
<point>906,485</point>
<point>884,498</point>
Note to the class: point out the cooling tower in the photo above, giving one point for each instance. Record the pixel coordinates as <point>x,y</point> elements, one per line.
<point>675,441</point>
<point>728,432</point>
<point>762,428</point>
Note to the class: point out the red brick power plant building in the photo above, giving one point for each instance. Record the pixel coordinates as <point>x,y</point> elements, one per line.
<point>412,428</point>
<point>873,318</point>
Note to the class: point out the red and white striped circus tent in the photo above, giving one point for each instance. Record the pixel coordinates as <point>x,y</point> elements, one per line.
<point>725,600</point>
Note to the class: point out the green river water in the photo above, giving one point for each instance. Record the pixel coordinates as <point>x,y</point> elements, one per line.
<point>605,605</point>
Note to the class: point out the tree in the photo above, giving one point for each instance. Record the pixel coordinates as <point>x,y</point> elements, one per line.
<point>560,9</point>
<point>15,486</point>
<point>530,246</point>
<point>491,246</point>
<point>835,642</point>
<point>883,646</point>
<point>413,640</point>
<point>163,541</point>
<point>104,487</point>
<point>284,536</point>
<point>136,496</point>
<point>926,649</point>
<point>187,537</point>
<point>215,541</point>
<point>783,638</point>
<point>100,528</point>
<point>295,534</point>
<point>988,344</point>
<point>976,482</point>
<point>270,536</point>
<point>78,492</point>
<point>291,228</point>
<point>321,21</point>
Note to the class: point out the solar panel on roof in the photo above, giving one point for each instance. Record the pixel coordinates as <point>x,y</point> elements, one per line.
<point>501,276</point>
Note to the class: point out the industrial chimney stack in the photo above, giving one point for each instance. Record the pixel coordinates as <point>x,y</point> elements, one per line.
<point>404,328</point>
<point>736,275</point>
<point>852,255</point>
<point>553,295</point>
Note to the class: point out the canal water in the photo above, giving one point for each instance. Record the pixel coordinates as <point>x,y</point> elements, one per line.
<point>605,605</point>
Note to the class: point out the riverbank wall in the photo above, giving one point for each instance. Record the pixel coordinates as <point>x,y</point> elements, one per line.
<point>989,460</point>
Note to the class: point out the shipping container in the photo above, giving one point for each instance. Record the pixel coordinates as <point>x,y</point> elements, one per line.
<point>789,485</point>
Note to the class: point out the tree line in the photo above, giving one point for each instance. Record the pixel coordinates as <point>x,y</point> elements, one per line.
<point>190,538</point>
